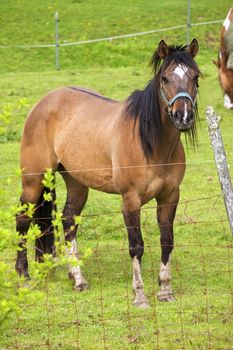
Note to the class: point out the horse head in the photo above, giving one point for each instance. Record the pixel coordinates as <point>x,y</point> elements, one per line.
<point>226,79</point>
<point>178,83</point>
<point>224,61</point>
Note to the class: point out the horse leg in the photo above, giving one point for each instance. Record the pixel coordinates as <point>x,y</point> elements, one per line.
<point>32,188</point>
<point>165,216</point>
<point>76,198</point>
<point>43,217</point>
<point>136,248</point>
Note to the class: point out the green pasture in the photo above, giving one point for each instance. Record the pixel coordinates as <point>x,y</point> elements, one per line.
<point>26,22</point>
<point>57,317</point>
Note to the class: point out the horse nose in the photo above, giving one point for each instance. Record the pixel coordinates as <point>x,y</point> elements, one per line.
<point>183,117</point>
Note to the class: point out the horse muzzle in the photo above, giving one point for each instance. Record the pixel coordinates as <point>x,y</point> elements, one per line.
<point>181,113</point>
<point>183,119</point>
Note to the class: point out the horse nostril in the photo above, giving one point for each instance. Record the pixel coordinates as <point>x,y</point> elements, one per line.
<point>178,115</point>
<point>184,118</point>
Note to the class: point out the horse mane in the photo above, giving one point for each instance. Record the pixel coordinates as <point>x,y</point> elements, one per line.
<point>143,105</point>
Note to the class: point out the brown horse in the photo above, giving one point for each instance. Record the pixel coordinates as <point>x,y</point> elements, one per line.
<point>225,60</point>
<point>131,148</point>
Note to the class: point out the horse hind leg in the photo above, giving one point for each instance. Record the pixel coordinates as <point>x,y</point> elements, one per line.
<point>32,188</point>
<point>76,198</point>
<point>43,218</point>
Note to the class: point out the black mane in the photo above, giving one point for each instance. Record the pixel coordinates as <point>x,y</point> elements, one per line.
<point>143,105</point>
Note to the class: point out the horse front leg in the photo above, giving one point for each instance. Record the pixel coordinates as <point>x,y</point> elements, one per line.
<point>165,216</point>
<point>136,250</point>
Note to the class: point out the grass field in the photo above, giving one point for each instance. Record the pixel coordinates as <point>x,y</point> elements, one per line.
<point>32,23</point>
<point>103,317</point>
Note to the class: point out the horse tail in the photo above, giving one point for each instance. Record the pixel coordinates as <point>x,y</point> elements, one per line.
<point>43,218</point>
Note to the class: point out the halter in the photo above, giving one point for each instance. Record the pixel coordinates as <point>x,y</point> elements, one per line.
<point>170,102</point>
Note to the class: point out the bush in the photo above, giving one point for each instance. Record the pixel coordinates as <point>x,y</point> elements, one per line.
<point>15,291</point>
<point>8,121</point>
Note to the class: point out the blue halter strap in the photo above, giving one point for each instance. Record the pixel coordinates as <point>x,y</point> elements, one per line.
<point>170,102</point>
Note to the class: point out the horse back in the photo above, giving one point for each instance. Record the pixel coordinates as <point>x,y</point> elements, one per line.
<point>77,128</point>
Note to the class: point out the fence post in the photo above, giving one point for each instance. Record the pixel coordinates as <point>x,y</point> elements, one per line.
<point>57,39</point>
<point>221,162</point>
<point>188,25</point>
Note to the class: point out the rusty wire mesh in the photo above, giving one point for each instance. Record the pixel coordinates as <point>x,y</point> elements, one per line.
<point>104,316</point>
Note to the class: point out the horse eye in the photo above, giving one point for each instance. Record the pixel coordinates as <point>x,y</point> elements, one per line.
<point>164,79</point>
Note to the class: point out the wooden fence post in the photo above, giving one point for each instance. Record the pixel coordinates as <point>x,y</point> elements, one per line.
<point>57,39</point>
<point>188,23</point>
<point>221,162</point>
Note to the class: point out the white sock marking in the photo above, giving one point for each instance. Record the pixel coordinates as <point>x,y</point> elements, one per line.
<point>137,277</point>
<point>165,292</point>
<point>140,299</point>
<point>165,274</point>
<point>75,271</point>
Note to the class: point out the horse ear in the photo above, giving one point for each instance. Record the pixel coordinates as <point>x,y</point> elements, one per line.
<point>162,49</point>
<point>193,47</point>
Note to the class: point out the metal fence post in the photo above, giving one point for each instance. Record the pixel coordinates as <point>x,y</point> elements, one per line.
<point>221,162</point>
<point>57,39</point>
<point>188,25</point>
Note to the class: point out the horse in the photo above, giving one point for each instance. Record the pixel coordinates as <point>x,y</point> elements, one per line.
<point>131,148</point>
<point>224,61</point>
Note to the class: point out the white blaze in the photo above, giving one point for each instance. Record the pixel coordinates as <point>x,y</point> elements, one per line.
<point>180,70</point>
<point>185,111</point>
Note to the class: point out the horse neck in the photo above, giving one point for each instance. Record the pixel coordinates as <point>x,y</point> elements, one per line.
<point>169,138</point>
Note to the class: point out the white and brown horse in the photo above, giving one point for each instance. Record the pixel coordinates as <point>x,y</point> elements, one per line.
<point>225,60</point>
<point>131,148</point>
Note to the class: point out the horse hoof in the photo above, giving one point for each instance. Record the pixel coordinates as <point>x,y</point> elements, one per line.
<point>27,277</point>
<point>166,297</point>
<point>24,275</point>
<point>81,287</point>
<point>141,303</point>
<point>24,281</point>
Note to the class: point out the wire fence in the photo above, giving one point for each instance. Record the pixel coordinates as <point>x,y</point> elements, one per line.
<point>59,44</point>
<point>104,318</point>
<point>109,38</point>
